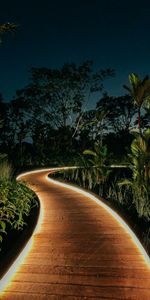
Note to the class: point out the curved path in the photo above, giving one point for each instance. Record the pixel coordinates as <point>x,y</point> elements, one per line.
<point>79,252</point>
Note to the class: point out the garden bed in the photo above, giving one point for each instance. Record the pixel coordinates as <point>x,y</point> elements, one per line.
<point>15,240</point>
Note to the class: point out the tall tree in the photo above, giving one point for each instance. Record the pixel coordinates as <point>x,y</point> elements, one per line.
<point>120,112</point>
<point>63,91</point>
<point>56,96</point>
<point>93,121</point>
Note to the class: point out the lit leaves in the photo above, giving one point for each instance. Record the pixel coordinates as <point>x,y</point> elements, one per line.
<point>16,202</point>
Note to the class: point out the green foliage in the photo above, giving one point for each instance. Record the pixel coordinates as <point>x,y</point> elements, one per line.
<point>93,171</point>
<point>82,174</point>
<point>57,95</point>
<point>139,89</point>
<point>119,193</point>
<point>140,165</point>
<point>140,92</point>
<point>16,202</point>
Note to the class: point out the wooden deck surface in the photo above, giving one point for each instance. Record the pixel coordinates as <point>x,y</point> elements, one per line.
<point>80,252</point>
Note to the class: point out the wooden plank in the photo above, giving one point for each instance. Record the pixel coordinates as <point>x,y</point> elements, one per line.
<point>80,252</point>
<point>81,290</point>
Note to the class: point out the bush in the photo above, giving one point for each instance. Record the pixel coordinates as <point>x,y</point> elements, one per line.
<point>16,202</point>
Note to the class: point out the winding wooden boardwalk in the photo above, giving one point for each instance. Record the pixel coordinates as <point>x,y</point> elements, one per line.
<point>79,252</point>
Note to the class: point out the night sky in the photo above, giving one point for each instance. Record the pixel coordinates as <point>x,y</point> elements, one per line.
<point>114,34</point>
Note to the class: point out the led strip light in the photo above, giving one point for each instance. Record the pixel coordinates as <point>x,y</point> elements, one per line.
<point>14,267</point>
<point>111,212</point>
<point>8,276</point>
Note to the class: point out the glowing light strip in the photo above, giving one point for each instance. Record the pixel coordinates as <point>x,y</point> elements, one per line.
<point>99,202</point>
<point>48,170</point>
<point>14,267</point>
<point>9,275</point>
<point>110,211</point>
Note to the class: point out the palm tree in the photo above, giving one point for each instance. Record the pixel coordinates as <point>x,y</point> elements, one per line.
<point>99,122</point>
<point>139,91</point>
<point>140,165</point>
<point>140,148</point>
<point>99,169</point>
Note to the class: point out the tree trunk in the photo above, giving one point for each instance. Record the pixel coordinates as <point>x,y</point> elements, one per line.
<point>139,120</point>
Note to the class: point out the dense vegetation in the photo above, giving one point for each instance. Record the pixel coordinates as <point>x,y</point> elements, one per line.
<point>16,202</point>
<point>16,199</point>
<point>49,123</point>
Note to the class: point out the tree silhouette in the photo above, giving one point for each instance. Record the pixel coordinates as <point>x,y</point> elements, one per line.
<point>7,28</point>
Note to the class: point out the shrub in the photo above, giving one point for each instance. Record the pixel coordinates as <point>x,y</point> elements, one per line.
<point>16,202</point>
<point>140,182</point>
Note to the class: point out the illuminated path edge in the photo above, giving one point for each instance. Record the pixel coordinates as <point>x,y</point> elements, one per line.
<point>15,265</point>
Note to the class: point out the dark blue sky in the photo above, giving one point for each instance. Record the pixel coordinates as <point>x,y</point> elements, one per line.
<point>114,34</point>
